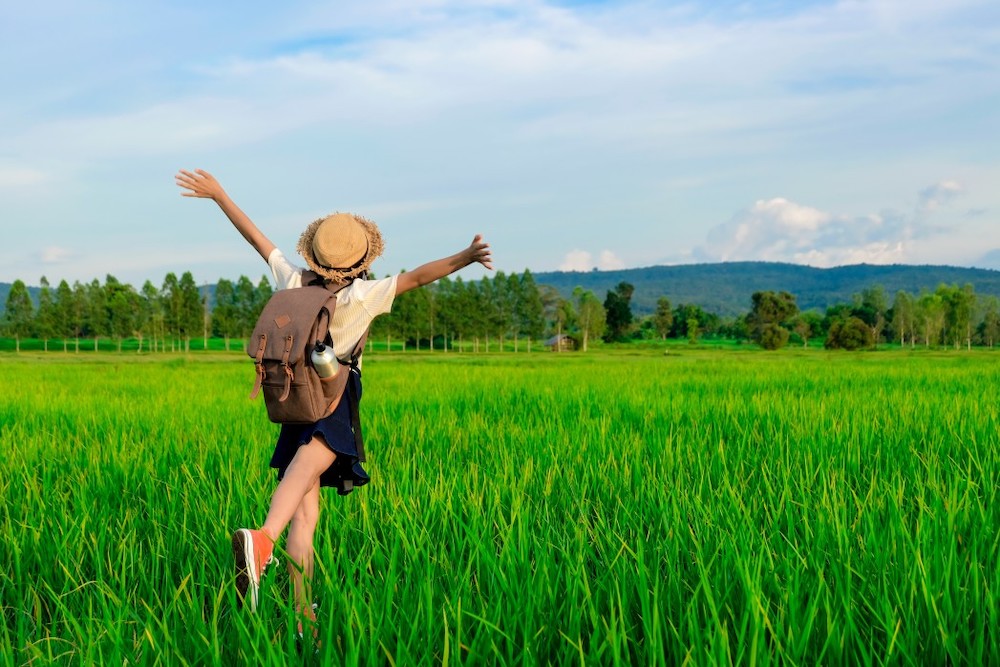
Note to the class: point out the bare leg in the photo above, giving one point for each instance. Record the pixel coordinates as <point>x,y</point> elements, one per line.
<point>301,477</point>
<point>300,550</point>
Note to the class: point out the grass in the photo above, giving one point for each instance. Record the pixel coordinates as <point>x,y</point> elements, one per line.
<point>628,507</point>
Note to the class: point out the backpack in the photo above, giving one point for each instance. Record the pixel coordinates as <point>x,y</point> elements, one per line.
<point>292,322</point>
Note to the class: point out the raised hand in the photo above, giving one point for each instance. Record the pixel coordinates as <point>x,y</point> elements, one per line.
<point>479,251</point>
<point>199,183</point>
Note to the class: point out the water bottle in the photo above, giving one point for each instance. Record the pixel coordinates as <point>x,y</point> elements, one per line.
<point>324,361</point>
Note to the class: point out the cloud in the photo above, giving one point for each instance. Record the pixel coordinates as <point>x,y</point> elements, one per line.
<point>779,230</point>
<point>940,194</point>
<point>609,261</point>
<point>55,255</point>
<point>990,260</point>
<point>581,260</point>
<point>20,177</point>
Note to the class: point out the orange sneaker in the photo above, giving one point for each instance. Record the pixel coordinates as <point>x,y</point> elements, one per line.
<point>253,551</point>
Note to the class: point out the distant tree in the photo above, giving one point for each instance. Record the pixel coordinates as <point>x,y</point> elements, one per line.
<point>18,316</point>
<point>807,325</point>
<point>98,318</point>
<point>78,316</point>
<point>590,316</point>
<point>46,320</point>
<point>122,303</point>
<point>771,311</point>
<point>261,295</point>
<point>850,334</point>
<point>190,317</point>
<point>225,314</point>
<point>246,306</point>
<point>685,312</point>
<point>959,305</point>
<point>663,319</point>
<point>618,312</point>
<point>989,329</point>
<point>692,330</point>
<point>172,300</point>
<point>870,307</point>
<point>930,317</point>
<point>64,309</point>
<point>529,310</point>
<point>904,318</point>
<point>152,319</point>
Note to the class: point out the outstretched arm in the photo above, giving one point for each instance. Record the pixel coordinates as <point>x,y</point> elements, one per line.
<point>202,184</point>
<point>478,251</point>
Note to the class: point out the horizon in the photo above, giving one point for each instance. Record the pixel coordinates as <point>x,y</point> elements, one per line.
<point>266,274</point>
<point>571,134</point>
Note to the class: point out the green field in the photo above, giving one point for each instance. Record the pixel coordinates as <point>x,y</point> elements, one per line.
<point>701,507</point>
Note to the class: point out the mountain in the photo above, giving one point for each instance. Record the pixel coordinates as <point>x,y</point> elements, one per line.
<point>726,288</point>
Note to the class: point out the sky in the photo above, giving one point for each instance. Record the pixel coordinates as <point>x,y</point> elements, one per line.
<point>572,135</point>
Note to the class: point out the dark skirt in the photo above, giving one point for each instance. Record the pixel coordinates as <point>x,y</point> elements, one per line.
<point>336,432</point>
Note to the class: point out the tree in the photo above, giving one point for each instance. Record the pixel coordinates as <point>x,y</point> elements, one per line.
<point>870,307</point>
<point>152,319</point>
<point>80,307</point>
<point>807,325</point>
<point>686,312</point>
<point>98,320</point>
<point>618,312</point>
<point>589,315</point>
<point>959,306</point>
<point>46,320</point>
<point>770,312</point>
<point>850,334</point>
<point>64,308</point>
<point>18,318</point>
<point>692,329</point>
<point>930,317</point>
<point>663,318</point>
<point>123,309</point>
<point>225,314</point>
<point>190,316</point>
<point>989,328</point>
<point>903,318</point>
<point>529,311</point>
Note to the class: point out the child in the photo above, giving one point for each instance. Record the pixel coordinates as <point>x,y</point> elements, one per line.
<point>339,248</point>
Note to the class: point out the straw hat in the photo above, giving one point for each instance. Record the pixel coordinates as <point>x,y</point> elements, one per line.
<point>341,246</point>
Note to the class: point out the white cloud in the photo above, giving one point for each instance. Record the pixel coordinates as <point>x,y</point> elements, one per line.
<point>609,261</point>
<point>20,177</point>
<point>55,255</point>
<point>779,230</point>
<point>581,260</point>
<point>940,194</point>
<point>577,260</point>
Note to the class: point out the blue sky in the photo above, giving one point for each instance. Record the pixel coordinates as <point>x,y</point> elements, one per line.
<point>571,134</point>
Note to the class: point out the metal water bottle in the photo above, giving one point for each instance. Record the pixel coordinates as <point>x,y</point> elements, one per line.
<point>324,361</point>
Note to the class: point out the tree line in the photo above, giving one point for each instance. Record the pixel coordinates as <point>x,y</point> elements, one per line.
<point>495,311</point>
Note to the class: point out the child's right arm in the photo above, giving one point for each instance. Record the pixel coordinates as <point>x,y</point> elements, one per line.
<point>203,185</point>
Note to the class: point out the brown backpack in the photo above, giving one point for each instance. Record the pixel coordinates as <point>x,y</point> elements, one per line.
<point>292,322</point>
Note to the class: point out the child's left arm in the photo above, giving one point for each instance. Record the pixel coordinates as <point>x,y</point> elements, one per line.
<point>478,251</point>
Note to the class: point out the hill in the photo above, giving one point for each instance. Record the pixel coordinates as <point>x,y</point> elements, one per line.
<point>725,288</point>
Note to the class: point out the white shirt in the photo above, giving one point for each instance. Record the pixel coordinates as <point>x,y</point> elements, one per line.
<point>357,304</point>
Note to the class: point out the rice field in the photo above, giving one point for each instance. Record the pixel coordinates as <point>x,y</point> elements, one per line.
<point>700,507</point>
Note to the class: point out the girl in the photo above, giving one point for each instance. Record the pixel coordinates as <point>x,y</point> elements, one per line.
<point>339,248</point>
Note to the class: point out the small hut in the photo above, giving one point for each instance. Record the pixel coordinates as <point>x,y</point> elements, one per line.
<point>560,343</point>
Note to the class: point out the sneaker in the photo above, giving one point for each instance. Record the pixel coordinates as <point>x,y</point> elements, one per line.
<point>253,552</point>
